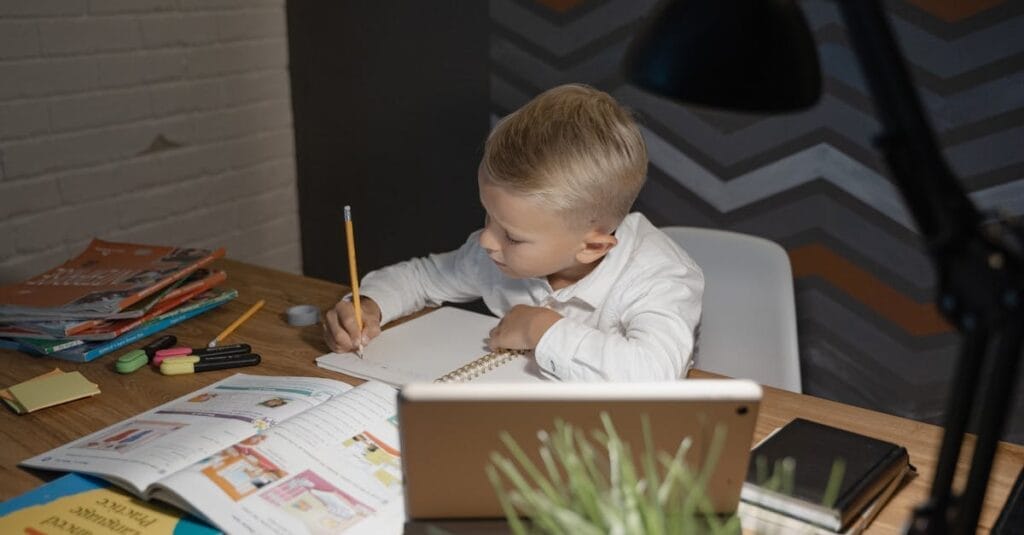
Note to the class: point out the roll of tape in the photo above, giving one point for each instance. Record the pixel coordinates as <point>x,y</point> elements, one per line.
<point>302,315</point>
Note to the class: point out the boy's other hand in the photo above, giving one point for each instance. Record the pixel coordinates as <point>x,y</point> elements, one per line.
<point>522,327</point>
<point>340,330</point>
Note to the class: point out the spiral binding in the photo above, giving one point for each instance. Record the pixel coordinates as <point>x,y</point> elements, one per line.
<point>480,366</point>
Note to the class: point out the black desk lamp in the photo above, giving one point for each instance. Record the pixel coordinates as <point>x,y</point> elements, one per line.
<point>758,55</point>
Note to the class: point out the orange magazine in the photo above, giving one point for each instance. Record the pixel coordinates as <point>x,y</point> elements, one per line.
<point>106,278</point>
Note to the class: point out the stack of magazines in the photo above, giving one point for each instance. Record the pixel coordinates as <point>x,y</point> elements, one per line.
<point>109,296</point>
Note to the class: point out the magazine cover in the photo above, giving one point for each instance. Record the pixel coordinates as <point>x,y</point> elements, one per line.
<point>81,504</point>
<point>106,278</point>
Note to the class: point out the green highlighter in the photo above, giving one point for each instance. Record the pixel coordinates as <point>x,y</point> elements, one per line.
<point>131,361</point>
<point>137,358</point>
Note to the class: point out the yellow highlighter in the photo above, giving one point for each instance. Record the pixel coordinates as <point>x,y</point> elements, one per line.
<point>193,364</point>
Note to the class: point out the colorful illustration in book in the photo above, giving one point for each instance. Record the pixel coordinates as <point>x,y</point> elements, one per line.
<point>130,436</point>
<point>382,460</point>
<point>241,405</point>
<point>322,507</point>
<point>275,402</point>
<point>241,470</point>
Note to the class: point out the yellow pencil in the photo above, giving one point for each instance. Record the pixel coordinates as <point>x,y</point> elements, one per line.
<point>354,277</point>
<point>234,325</point>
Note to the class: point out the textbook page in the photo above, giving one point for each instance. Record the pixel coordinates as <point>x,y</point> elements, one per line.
<point>428,347</point>
<point>331,469</point>
<point>138,451</point>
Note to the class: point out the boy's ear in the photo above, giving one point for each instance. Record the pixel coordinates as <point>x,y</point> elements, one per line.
<point>596,244</point>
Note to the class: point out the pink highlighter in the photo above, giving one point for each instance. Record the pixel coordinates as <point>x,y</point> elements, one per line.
<point>170,352</point>
<point>201,352</point>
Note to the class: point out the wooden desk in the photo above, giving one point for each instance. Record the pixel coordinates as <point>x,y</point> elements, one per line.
<point>288,350</point>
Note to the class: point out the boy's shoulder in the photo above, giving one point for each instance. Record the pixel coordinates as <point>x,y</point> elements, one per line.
<point>653,251</point>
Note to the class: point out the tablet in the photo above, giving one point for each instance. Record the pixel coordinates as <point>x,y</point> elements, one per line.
<point>448,431</point>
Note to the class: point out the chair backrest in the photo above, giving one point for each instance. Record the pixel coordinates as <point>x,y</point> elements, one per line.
<point>748,326</point>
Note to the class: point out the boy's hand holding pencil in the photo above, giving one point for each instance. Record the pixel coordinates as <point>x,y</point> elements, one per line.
<point>347,327</point>
<point>341,331</point>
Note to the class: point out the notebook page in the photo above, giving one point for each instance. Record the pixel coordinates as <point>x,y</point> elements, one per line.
<point>424,349</point>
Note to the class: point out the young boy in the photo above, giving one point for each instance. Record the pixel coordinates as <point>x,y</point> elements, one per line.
<point>595,293</point>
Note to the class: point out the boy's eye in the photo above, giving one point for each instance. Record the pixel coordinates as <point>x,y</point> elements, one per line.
<point>511,240</point>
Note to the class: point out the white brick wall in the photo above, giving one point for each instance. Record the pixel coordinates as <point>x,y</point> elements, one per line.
<point>154,121</point>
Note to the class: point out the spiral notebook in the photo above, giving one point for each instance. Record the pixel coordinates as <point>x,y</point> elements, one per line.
<point>446,345</point>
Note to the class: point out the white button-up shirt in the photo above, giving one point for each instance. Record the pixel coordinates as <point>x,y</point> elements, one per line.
<point>632,318</point>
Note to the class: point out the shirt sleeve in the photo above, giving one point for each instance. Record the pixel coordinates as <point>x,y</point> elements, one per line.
<point>656,342</point>
<point>405,287</point>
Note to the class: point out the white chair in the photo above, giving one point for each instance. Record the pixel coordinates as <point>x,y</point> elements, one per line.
<point>748,326</point>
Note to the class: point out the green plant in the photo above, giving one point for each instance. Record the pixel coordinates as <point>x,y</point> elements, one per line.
<point>580,491</point>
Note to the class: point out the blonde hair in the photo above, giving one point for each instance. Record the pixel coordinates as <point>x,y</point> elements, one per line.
<point>576,150</point>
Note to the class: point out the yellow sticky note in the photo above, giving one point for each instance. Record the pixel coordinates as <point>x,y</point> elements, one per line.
<point>45,392</point>
<point>8,398</point>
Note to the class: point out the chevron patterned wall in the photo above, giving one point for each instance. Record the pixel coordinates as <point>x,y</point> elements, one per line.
<point>870,335</point>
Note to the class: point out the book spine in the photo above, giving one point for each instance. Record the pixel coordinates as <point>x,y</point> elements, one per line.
<point>864,490</point>
<point>143,331</point>
<point>82,326</point>
<point>47,347</point>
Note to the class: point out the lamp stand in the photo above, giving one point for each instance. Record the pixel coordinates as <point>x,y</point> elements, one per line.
<point>980,268</point>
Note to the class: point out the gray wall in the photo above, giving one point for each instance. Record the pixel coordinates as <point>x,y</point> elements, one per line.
<point>812,181</point>
<point>165,122</point>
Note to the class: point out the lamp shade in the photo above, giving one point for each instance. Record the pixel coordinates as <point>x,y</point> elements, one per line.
<point>743,55</point>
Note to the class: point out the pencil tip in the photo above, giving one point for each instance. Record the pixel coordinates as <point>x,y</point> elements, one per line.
<point>348,213</point>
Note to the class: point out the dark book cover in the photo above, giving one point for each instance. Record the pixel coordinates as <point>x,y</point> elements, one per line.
<point>870,464</point>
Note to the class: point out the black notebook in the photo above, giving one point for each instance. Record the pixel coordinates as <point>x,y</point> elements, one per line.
<point>870,465</point>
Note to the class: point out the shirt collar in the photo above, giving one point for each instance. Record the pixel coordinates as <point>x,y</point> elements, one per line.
<point>593,289</point>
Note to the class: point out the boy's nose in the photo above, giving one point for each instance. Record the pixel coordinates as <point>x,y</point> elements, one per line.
<point>487,240</point>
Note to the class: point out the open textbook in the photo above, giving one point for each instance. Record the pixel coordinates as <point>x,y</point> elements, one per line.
<point>448,344</point>
<point>255,454</point>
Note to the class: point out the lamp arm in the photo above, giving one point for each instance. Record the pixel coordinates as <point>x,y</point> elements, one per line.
<point>980,271</point>
<point>939,205</point>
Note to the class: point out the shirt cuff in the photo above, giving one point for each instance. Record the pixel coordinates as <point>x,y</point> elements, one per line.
<point>389,305</point>
<point>555,349</point>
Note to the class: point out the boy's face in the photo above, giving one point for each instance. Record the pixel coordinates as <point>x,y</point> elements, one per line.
<point>526,239</point>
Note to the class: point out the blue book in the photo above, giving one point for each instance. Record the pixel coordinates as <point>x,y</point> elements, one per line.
<point>90,351</point>
<point>77,503</point>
